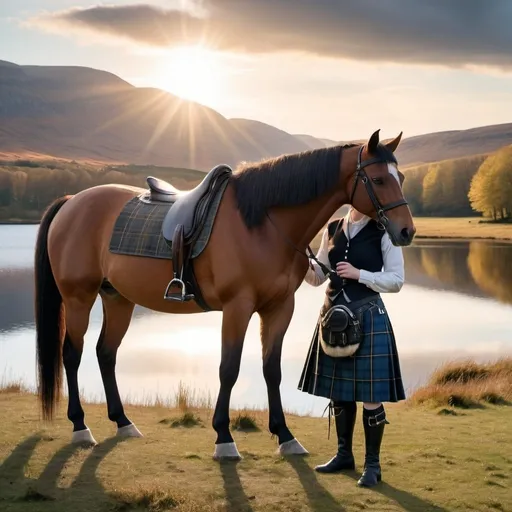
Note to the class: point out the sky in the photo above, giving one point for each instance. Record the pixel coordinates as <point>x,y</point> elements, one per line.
<point>338,69</point>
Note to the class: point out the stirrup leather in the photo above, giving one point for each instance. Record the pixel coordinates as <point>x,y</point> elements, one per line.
<point>179,295</point>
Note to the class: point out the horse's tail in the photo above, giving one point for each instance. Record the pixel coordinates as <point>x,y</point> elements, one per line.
<point>50,326</point>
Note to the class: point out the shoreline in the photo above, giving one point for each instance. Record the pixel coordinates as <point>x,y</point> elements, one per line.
<point>16,222</point>
<point>463,238</point>
<point>315,243</point>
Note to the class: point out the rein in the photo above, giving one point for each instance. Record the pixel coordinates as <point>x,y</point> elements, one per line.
<point>308,254</point>
<point>380,209</point>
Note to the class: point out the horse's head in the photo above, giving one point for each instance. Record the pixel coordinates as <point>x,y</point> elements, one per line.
<point>375,189</point>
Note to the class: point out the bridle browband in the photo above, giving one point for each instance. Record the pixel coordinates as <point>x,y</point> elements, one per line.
<point>382,218</point>
<point>361,173</point>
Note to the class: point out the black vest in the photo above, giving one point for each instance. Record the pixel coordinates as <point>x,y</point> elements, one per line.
<point>364,252</point>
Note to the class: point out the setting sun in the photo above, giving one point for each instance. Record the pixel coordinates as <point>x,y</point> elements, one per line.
<point>191,72</point>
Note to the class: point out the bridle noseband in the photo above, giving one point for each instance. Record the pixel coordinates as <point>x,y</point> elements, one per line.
<point>361,173</point>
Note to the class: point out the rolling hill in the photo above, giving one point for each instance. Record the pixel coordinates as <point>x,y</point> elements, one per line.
<point>433,147</point>
<point>86,114</point>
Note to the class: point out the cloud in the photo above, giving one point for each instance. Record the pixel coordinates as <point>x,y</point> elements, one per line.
<point>455,33</point>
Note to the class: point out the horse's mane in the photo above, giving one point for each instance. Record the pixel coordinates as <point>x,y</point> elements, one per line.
<point>287,180</point>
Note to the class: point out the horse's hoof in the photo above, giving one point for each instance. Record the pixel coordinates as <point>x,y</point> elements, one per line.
<point>83,437</point>
<point>292,447</point>
<point>226,451</point>
<point>129,431</point>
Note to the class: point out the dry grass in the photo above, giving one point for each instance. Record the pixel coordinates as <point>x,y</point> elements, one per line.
<point>428,456</point>
<point>446,227</point>
<point>184,399</point>
<point>153,499</point>
<point>461,227</point>
<point>187,420</point>
<point>467,384</point>
<point>428,460</point>
<point>11,385</point>
<point>468,228</point>
<point>245,421</point>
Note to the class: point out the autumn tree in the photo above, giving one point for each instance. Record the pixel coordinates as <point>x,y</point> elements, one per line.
<point>5,188</point>
<point>413,187</point>
<point>491,187</point>
<point>446,186</point>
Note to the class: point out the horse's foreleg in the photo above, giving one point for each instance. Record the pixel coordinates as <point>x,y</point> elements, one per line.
<point>77,311</point>
<point>235,319</point>
<point>117,314</point>
<point>274,323</point>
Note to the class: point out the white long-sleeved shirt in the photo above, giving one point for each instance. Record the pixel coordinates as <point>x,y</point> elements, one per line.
<point>390,279</point>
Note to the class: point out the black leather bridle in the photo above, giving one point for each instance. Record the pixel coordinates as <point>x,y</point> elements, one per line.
<point>380,209</point>
<point>361,173</point>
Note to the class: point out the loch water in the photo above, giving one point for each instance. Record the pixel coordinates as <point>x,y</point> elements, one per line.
<point>456,303</point>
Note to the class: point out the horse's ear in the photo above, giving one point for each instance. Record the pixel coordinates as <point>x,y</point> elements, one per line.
<point>392,145</point>
<point>373,142</point>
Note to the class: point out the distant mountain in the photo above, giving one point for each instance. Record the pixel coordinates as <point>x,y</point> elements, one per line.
<point>86,114</point>
<point>315,143</point>
<point>433,147</point>
<point>270,140</point>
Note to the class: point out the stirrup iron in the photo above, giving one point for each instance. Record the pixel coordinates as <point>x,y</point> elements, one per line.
<point>178,296</point>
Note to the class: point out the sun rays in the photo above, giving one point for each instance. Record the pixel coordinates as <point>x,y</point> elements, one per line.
<point>192,72</point>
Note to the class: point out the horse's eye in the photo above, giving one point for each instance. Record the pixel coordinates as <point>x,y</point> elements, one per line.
<point>378,181</point>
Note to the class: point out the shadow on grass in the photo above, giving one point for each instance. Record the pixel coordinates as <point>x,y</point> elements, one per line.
<point>405,499</point>
<point>320,499</point>
<point>16,487</point>
<point>237,500</point>
<point>12,470</point>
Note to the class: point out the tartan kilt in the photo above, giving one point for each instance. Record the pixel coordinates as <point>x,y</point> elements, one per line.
<point>372,374</point>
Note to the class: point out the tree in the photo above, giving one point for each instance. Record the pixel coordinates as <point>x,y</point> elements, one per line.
<point>432,196</point>
<point>491,187</point>
<point>446,186</point>
<point>413,187</point>
<point>5,188</point>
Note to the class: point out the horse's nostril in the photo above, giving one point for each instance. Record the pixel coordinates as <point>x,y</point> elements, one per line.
<point>406,233</point>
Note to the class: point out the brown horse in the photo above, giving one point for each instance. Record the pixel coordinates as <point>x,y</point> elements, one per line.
<point>254,261</point>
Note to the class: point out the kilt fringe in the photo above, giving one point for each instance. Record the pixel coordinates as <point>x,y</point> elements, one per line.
<point>372,374</point>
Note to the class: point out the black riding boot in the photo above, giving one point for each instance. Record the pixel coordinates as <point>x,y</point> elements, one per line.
<point>374,422</point>
<point>345,418</point>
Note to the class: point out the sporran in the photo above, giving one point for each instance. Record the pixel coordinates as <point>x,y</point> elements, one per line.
<point>340,332</point>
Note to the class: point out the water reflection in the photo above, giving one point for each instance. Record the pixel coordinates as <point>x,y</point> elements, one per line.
<point>16,299</point>
<point>491,268</point>
<point>478,268</point>
<point>452,290</point>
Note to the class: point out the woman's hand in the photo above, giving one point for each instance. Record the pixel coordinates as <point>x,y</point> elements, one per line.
<point>346,270</point>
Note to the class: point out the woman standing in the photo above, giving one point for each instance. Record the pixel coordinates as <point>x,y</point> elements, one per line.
<point>366,264</point>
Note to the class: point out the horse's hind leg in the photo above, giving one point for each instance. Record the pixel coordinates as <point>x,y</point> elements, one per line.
<point>77,310</point>
<point>117,314</point>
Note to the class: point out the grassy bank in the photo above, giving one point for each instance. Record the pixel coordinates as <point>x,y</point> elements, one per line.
<point>18,221</point>
<point>468,228</point>
<point>434,458</point>
<point>427,227</point>
<point>462,227</point>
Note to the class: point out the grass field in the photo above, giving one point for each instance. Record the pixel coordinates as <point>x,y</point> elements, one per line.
<point>447,227</point>
<point>470,228</point>
<point>434,459</point>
